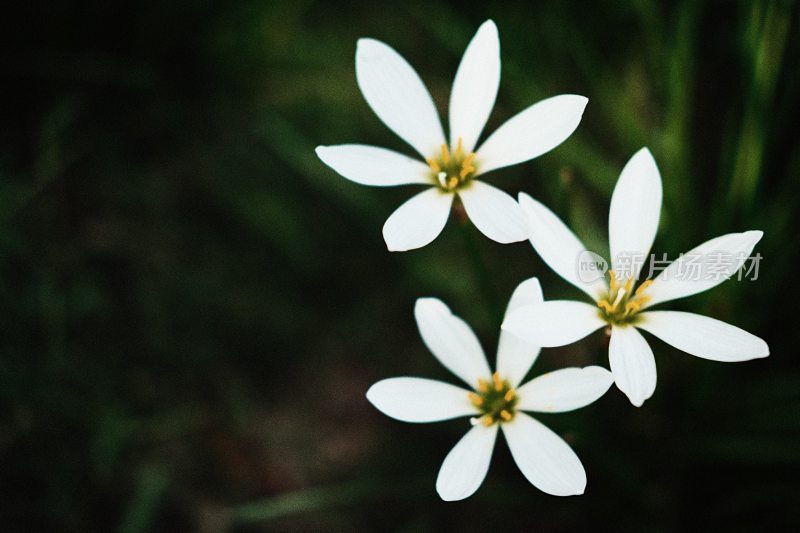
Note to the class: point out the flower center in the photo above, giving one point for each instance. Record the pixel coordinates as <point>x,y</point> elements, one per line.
<point>621,305</point>
<point>451,170</point>
<point>497,401</point>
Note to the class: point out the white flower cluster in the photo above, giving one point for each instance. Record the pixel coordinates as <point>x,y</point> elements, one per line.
<point>620,302</point>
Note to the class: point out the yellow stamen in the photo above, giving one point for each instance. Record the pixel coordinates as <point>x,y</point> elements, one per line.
<point>498,383</point>
<point>629,284</point>
<point>483,386</point>
<point>452,182</point>
<point>604,305</point>
<point>468,159</point>
<point>459,147</point>
<point>487,420</point>
<point>612,280</point>
<point>509,395</point>
<point>445,155</point>
<point>476,400</point>
<point>505,415</point>
<point>434,165</point>
<point>643,287</point>
<point>631,307</point>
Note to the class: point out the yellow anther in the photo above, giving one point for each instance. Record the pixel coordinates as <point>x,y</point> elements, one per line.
<point>487,420</point>
<point>505,415</point>
<point>612,280</point>
<point>445,155</point>
<point>498,383</point>
<point>483,386</point>
<point>604,305</point>
<point>631,307</point>
<point>466,170</point>
<point>629,285</point>
<point>476,400</point>
<point>509,395</point>
<point>643,287</point>
<point>452,168</point>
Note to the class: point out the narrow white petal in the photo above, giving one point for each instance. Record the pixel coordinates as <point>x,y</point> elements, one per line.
<point>544,458</point>
<point>529,292</point>
<point>475,87</point>
<point>703,267</point>
<point>420,400</point>
<point>532,132</point>
<point>496,214</point>
<point>418,221</point>
<point>465,467</point>
<point>632,364</point>
<point>561,249</point>
<point>564,390</point>
<point>451,340</point>
<point>554,323</point>
<point>371,165</point>
<point>703,336</point>
<point>635,210</point>
<point>515,355</point>
<point>397,95</point>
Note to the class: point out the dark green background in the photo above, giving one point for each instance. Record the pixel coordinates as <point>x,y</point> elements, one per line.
<point>194,305</point>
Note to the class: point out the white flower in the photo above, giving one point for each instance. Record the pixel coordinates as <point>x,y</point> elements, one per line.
<point>495,402</point>
<point>632,225</point>
<point>397,95</point>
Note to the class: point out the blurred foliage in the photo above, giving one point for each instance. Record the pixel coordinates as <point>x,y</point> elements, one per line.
<point>194,305</point>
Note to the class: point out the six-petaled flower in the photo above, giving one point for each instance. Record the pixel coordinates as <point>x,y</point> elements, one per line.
<point>495,402</point>
<point>632,224</point>
<point>398,96</point>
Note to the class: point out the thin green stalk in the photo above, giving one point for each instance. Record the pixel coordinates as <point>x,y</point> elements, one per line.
<point>301,501</point>
<point>321,498</point>
<point>765,41</point>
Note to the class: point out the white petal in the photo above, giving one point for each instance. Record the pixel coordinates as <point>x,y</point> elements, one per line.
<point>635,210</point>
<point>475,87</point>
<point>515,356</point>
<point>554,323</point>
<point>564,390</point>
<point>451,340</point>
<point>703,267</point>
<point>496,214</point>
<point>561,249</point>
<point>420,400</point>
<point>544,458</point>
<point>418,221</point>
<point>465,467</point>
<point>397,95</point>
<point>703,336</point>
<point>370,165</point>
<point>632,364</point>
<point>529,292</point>
<point>531,133</point>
